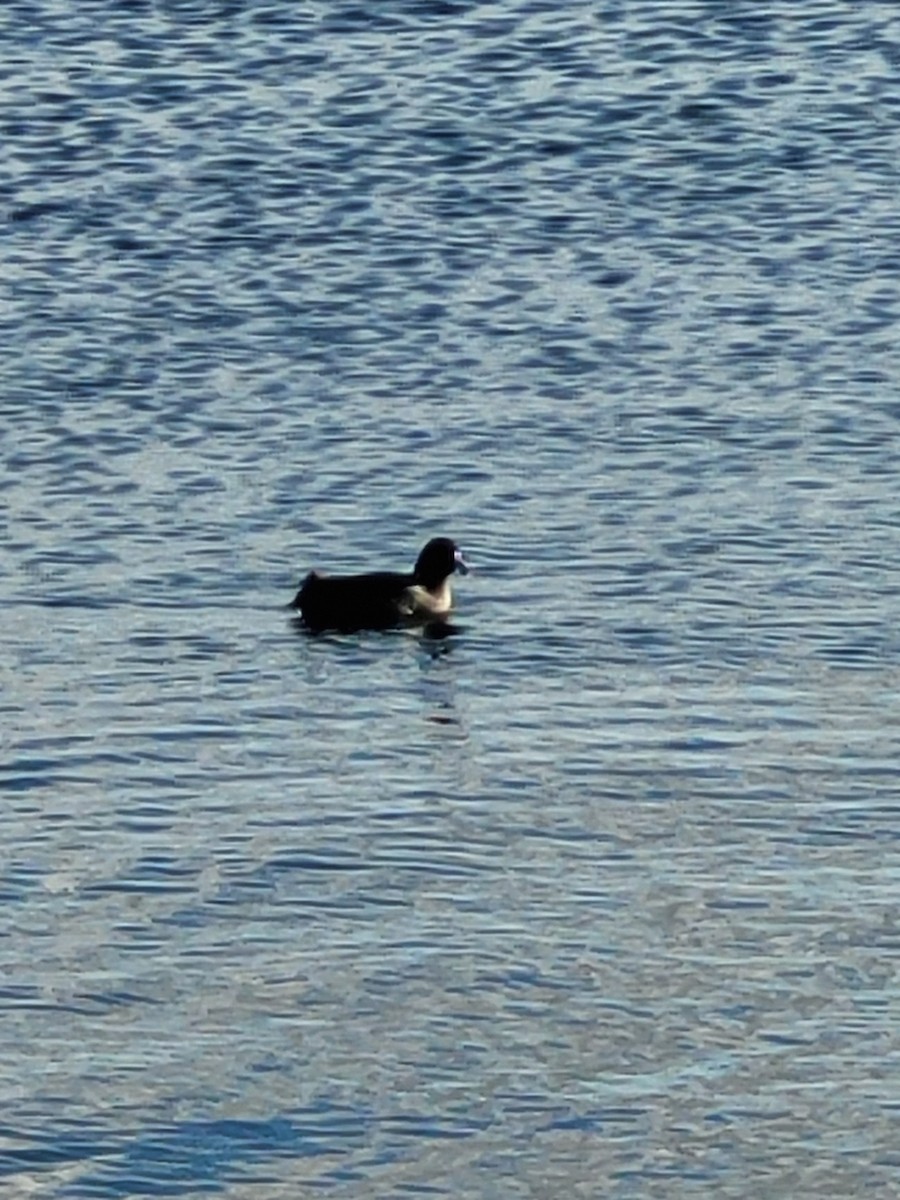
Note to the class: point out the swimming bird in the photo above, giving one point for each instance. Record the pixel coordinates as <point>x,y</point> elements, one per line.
<point>383,599</point>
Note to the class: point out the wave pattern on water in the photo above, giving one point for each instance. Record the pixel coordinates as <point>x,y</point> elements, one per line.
<point>595,895</point>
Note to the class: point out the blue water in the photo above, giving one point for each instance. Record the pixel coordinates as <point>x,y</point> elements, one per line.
<point>599,896</point>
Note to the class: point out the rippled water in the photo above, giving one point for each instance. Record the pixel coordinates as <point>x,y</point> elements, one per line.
<point>598,896</point>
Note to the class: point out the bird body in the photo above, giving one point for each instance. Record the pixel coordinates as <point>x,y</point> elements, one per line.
<point>383,599</point>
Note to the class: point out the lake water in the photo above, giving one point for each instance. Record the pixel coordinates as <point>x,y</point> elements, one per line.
<point>599,896</point>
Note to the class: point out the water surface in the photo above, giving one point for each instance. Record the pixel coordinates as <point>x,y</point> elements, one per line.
<point>598,896</point>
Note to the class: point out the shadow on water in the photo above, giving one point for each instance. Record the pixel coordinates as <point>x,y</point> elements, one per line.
<point>434,636</point>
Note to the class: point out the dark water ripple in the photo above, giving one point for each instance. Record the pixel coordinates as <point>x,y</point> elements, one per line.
<point>597,894</point>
